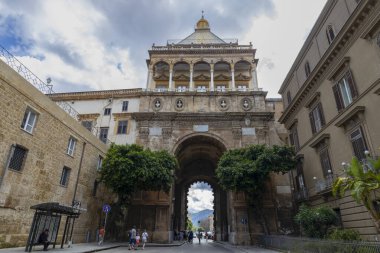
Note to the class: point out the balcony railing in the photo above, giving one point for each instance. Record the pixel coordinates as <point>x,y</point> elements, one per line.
<point>301,194</point>
<point>201,90</point>
<point>34,80</point>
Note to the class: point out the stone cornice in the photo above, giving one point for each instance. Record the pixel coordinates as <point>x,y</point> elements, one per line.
<point>357,110</point>
<point>321,139</point>
<point>344,37</point>
<point>92,116</point>
<point>174,116</point>
<point>88,95</point>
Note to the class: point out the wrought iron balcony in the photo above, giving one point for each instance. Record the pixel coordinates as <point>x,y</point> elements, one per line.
<point>325,184</point>
<point>301,194</point>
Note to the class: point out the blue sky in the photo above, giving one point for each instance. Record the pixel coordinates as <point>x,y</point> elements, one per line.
<point>95,44</point>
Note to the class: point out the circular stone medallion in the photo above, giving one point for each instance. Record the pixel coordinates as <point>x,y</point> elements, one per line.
<point>179,104</point>
<point>157,104</point>
<point>246,104</point>
<point>223,103</point>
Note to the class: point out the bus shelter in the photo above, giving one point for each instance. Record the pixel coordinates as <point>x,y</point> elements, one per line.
<point>48,216</point>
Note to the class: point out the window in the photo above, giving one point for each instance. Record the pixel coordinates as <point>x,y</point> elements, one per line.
<point>87,125</point>
<point>330,33</point>
<point>201,88</point>
<point>161,88</point>
<point>307,69</point>
<point>100,163</point>
<point>71,146</point>
<point>29,120</point>
<point>220,87</point>
<point>288,97</point>
<point>181,88</point>
<point>122,127</point>
<point>103,134</point>
<point>107,111</point>
<point>317,120</point>
<point>293,138</point>
<point>124,108</point>
<point>17,157</point>
<point>358,143</point>
<point>95,188</point>
<point>242,87</point>
<point>345,91</point>
<point>65,176</point>
<point>325,162</point>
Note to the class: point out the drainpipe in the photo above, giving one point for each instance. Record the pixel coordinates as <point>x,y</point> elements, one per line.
<point>79,169</point>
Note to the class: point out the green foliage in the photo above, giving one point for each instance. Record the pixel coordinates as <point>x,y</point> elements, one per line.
<point>129,168</point>
<point>189,225</point>
<point>247,169</point>
<point>344,234</point>
<point>361,180</point>
<point>316,221</point>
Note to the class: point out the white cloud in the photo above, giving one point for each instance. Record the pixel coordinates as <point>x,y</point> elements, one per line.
<point>199,199</point>
<point>103,45</point>
<point>66,47</point>
<point>279,38</point>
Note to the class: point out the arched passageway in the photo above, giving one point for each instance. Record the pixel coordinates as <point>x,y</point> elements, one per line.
<point>198,157</point>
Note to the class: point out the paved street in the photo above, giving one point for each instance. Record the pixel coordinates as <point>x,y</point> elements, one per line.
<point>196,248</point>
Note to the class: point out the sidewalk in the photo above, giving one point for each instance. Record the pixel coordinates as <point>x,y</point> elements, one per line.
<point>246,248</point>
<point>84,247</point>
<point>76,248</point>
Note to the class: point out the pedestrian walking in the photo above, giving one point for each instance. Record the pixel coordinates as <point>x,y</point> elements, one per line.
<point>144,238</point>
<point>199,237</point>
<point>132,238</point>
<point>191,236</point>
<point>137,240</point>
<point>101,236</point>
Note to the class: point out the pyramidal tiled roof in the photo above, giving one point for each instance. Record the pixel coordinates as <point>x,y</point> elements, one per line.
<point>202,35</point>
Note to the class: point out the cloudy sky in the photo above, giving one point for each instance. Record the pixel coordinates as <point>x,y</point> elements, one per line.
<point>200,197</point>
<point>103,44</point>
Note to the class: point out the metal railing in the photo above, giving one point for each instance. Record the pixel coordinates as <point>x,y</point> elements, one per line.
<point>306,245</point>
<point>204,41</point>
<point>301,194</point>
<point>201,90</point>
<point>34,80</point>
<point>29,76</point>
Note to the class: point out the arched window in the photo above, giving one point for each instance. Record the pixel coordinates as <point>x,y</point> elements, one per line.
<point>330,33</point>
<point>307,69</point>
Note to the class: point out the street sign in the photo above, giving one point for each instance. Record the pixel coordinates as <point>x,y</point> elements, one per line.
<point>106,208</point>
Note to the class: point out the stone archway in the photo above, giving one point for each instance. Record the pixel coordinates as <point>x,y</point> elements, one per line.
<point>198,156</point>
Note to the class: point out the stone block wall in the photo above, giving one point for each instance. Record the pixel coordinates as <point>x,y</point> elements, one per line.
<point>39,179</point>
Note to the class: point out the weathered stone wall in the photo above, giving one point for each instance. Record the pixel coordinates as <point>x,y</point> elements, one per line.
<point>39,179</point>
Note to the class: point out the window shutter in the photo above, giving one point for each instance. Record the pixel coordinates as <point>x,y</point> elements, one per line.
<point>325,161</point>
<point>296,142</point>
<point>338,97</point>
<point>312,122</point>
<point>320,111</point>
<point>350,80</point>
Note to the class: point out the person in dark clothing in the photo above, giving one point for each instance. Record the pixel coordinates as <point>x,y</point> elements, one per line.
<point>191,236</point>
<point>43,239</point>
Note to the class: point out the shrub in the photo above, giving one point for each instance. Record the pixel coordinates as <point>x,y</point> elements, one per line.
<point>316,221</point>
<point>345,235</point>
